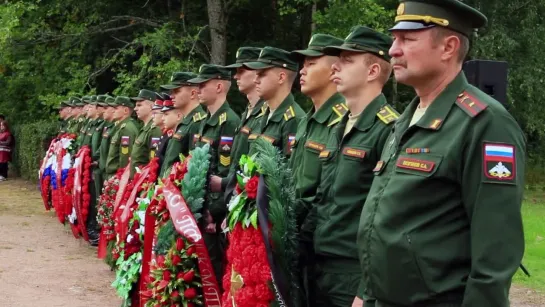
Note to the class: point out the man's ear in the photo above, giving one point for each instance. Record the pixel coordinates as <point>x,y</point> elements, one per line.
<point>451,45</point>
<point>374,72</point>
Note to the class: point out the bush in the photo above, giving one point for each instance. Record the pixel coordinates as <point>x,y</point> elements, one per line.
<point>31,143</point>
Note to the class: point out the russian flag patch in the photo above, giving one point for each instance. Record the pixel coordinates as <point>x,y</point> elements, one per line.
<point>499,164</point>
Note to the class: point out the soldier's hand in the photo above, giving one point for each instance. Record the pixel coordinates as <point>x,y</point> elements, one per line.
<point>214,184</point>
<point>358,302</point>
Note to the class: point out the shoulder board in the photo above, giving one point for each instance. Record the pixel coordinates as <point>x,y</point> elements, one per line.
<point>263,111</point>
<point>387,114</point>
<point>289,114</point>
<point>197,117</point>
<point>470,104</point>
<point>340,109</point>
<point>123,126</point>
<point>223,117</point>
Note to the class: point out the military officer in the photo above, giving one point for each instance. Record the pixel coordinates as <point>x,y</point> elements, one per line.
<point>96,140</point>
<point>162,99</point>
<point>186,101</point>
<point>124,137</point>
<point>217,130</point>
<point>250,118</point>
<point>143,148</point>
<point>347,159</point>
<point>108,130</point>
<point>276,72</point>
<point>442,224</point>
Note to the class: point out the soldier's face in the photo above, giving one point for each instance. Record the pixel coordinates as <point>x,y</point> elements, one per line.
<point>180,96</point>
<point>349,72</point>
<point>415,56</point>
<point>245,79</point>
<point>316,74</point>
<point>143,109</point>
<point>91,111</point>
<point>170,119</point>
<point>208,92</point>
<point>100,110</point>
<point>267,82</point>
<point>158,118</point>
<point>119,112</point>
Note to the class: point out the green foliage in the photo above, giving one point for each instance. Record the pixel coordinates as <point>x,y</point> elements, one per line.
<point>32,141</point>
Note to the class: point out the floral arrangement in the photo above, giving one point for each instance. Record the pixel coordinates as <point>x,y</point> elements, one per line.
<point>259,272</point>
<point>81,197</point>
<point>62,176</point>
<point>45,174</point>
<point>175,278</point>
<point>105,216</point>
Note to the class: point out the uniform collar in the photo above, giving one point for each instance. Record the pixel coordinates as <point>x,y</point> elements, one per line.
<point>324,111</point>
<point>438,110</point>
<point>279,112</point>
<point>369,115</point>
<point>257,108</point>
<point>214,119</point>
<point>189,117</point>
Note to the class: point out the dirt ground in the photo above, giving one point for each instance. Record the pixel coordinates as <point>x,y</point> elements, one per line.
<point>41,264</point>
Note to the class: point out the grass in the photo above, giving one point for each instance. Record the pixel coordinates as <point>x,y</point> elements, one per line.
<point>533,213</point>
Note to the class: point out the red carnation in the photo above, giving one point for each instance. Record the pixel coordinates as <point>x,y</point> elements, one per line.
<point>190,304</point>
<point>251,187</point>
<point>188,277</point>
<point>165,216</point>
<point>161,260</point>
<point>176,260</point>
<point>174,295</point>
<point>190,293</point>
<point>180,276</point>
<point>190,251</point>
<point>166,276</point>
<point>179,244</point>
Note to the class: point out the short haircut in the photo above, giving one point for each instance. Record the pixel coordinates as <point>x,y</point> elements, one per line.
<point>440,33</point>
<point>385,67</point>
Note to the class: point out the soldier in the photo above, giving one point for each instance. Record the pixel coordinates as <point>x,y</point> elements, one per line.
<point>77,111</point>
<point>162,145</point>
<point>124,137</point>
<point>442,224</point>
<point>143,148</point>
<point>250,118</point>
<point>96,140</point>
<point>93,120</point>
<point>64,116</point>
<point>185,99</point>
<point>108,130</point>
<point>171,118</point>
<point>353,148</point>
<point>218,130</point>
<point>313,132</point>
<point>276,72</point>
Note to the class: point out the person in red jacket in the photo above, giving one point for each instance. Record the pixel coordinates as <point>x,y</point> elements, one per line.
<point>6,141</point>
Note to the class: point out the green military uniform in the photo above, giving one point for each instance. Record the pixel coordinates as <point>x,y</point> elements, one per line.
<point>143,149</point>
<point>442,224</point>
<point>249,121</point>
<point>108,130</point>
<point>122,140</point>
<point>313,132</point>
<point>347,158</point>
<point>280,127</point>
<point>217,130</point>
<point>64,123</point>
<point>91,126</point>
<point>181,140</point>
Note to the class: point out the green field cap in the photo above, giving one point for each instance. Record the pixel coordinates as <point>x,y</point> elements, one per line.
<point>208,72</point>
<point>144,95</point>
<point>179,79</point>
<point>273,57</point>
<point>317,44</point>
<point>365,40</point>
<point>244,55</point>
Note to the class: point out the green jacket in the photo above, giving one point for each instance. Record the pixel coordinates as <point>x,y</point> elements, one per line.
<point>442,221</point>
<point>96,138</point>
<point>310,139</point>
<point>121,145</point>
<point>63,126</point>
<point>82,125</point>
<point>347,164</point>
<point>241,145</point>
<point>142,149</point>
<point>181,140</point>
<point>108,130</point>
<point>280,129</point>
<point>89,129</point>
<point>218,130</point>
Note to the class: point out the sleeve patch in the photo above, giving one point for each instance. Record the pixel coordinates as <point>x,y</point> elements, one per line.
<point>499,164</point>
<point>226,142</point>
<point>225,160</point>
<point>125,140</point>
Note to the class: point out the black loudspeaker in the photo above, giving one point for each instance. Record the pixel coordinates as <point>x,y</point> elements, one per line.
<point>490,77</point>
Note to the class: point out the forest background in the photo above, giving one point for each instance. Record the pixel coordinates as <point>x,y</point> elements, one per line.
<point>51,49</point>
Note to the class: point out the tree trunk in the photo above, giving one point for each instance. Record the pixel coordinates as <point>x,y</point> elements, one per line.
<point>217,18</point>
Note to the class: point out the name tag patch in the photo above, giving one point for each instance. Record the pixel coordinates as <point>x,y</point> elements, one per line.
<point>207,140</point>
<point>245,130</point>
<point>415,164</point>
<point>352,152</point>
<point>268,138</point>
<point>252,137</point>
<point>177,136</point>
<point>324,154</point>
<point>314,145</point>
